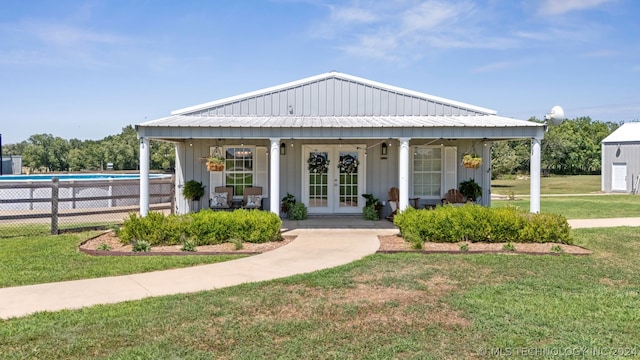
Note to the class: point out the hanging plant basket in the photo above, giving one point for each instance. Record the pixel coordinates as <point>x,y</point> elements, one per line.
<point>215,161</point>
<point>471,161</point>
<point>215,165</point>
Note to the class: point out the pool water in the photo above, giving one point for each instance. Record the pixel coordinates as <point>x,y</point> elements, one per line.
<point>70,177</point>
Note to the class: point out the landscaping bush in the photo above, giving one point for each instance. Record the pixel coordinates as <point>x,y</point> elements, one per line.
<point>370,213</point>
<point>206,227</point>
<point>298,211</point>
<point>475,223</point>
<point>154,228</point>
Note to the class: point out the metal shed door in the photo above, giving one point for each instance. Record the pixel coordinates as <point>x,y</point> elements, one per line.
<point>619,177</point>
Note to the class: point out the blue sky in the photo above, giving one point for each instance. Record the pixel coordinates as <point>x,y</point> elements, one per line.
<point>86,69</point>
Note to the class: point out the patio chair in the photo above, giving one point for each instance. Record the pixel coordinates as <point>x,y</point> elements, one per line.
<point>252,198</point>
<point>394,202</point>
<point>453,197</point>
<point>222,198</point>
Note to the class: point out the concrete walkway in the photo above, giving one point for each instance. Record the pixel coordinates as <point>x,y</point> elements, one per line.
<point>313,249</point>
<point>593,223</point>
<point>321,243</point>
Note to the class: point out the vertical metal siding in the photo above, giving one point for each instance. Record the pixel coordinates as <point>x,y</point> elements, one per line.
<point>334,97</point>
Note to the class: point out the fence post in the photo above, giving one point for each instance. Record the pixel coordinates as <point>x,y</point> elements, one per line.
<point>54,205</point>
<point>173,194</point>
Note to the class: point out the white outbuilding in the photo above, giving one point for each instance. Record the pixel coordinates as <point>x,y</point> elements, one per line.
<point>621,159</point>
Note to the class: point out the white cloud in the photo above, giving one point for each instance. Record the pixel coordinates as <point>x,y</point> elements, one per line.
<point>493,67</point>
<point>559,7</point>
<point>56,44</point>
<point>393,30</point>
<point>430,15</point>
<point>600,54</point>
<point>352,15</point>
<point>64,35</point>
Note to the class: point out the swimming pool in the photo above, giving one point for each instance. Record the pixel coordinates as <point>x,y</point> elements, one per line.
<point>79,191</point>
<point>79,177</point>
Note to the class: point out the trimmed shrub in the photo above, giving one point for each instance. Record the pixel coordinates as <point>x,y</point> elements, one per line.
<point>475,223</point>
<point>154,228</point>
<point>370,213</point>
<point>206,227</point>
<point>298,211</point>
<point>141,246</point>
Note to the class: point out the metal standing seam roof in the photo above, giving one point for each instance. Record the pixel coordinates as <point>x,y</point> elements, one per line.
<point>628,132</point>
<point>338,121</point>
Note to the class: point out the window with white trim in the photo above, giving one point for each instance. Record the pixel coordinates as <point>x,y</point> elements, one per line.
<point>427,171</point>
<point>239,168</point>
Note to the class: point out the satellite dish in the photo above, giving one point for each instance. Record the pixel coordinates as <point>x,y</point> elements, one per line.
<point>556,116</point>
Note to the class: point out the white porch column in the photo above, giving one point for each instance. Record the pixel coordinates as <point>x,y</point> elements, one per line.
<point>535,175</point>
<point>181,202</point>
<point>274,176</point>
<point>486,173</point>
<point>144,176</point>
<point>403,185</point>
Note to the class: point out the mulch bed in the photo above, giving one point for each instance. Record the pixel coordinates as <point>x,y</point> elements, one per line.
<point>90,246</point>
<point>395,244</point>
<point>388,244</point>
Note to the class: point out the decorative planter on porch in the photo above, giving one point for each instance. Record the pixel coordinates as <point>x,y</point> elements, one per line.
<point>215,165</point>
<point>471,161</point>
<point>215,161</point>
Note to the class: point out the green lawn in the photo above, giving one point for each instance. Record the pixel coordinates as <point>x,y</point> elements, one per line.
<point>42,259</point>
<point>581,207</point>
<point>382,307</point>
<point>574,184</point>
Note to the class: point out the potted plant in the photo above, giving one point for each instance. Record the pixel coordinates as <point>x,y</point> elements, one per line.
<point>471,161</point>
<point>215,163</point>
<point>287,202</point>
<point>193,190</point>
<point>470,190</point>
<point>373,208</point>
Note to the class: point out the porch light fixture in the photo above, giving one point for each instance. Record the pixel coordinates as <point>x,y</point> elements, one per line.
<point>384,149</point>
<point>283,149</point>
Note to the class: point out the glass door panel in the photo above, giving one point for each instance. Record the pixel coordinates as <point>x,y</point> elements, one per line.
<point>318,168</point>
<point>348,165</point>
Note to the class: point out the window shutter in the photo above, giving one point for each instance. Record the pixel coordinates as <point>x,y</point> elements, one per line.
<point>262,169</point>
<point>450,169</point>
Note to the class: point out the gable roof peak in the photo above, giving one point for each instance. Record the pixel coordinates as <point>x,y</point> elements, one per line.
<point>337,75</point>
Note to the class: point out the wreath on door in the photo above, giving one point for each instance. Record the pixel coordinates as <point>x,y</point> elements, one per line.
<point>348,164</point>
<point>318,163</point>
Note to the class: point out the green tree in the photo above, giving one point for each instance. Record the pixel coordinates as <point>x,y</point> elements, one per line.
<point>46,151</point>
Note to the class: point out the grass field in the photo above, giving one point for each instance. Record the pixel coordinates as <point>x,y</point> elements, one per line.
<point>42,259</point>
<point>581,184</point>
<point>581,207</point>
<point>384,306</point>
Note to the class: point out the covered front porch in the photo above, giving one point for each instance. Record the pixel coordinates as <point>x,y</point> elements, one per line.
<point>331,138</point>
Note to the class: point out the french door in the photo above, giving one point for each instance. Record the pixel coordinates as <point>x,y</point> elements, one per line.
<point>333,178</point>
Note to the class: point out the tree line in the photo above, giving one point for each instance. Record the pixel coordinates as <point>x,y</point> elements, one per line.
<point>570,148</point>
<point>44,152</point>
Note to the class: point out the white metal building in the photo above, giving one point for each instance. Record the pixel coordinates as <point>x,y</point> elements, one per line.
<point>621,159</point>
<point>394,136</point>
